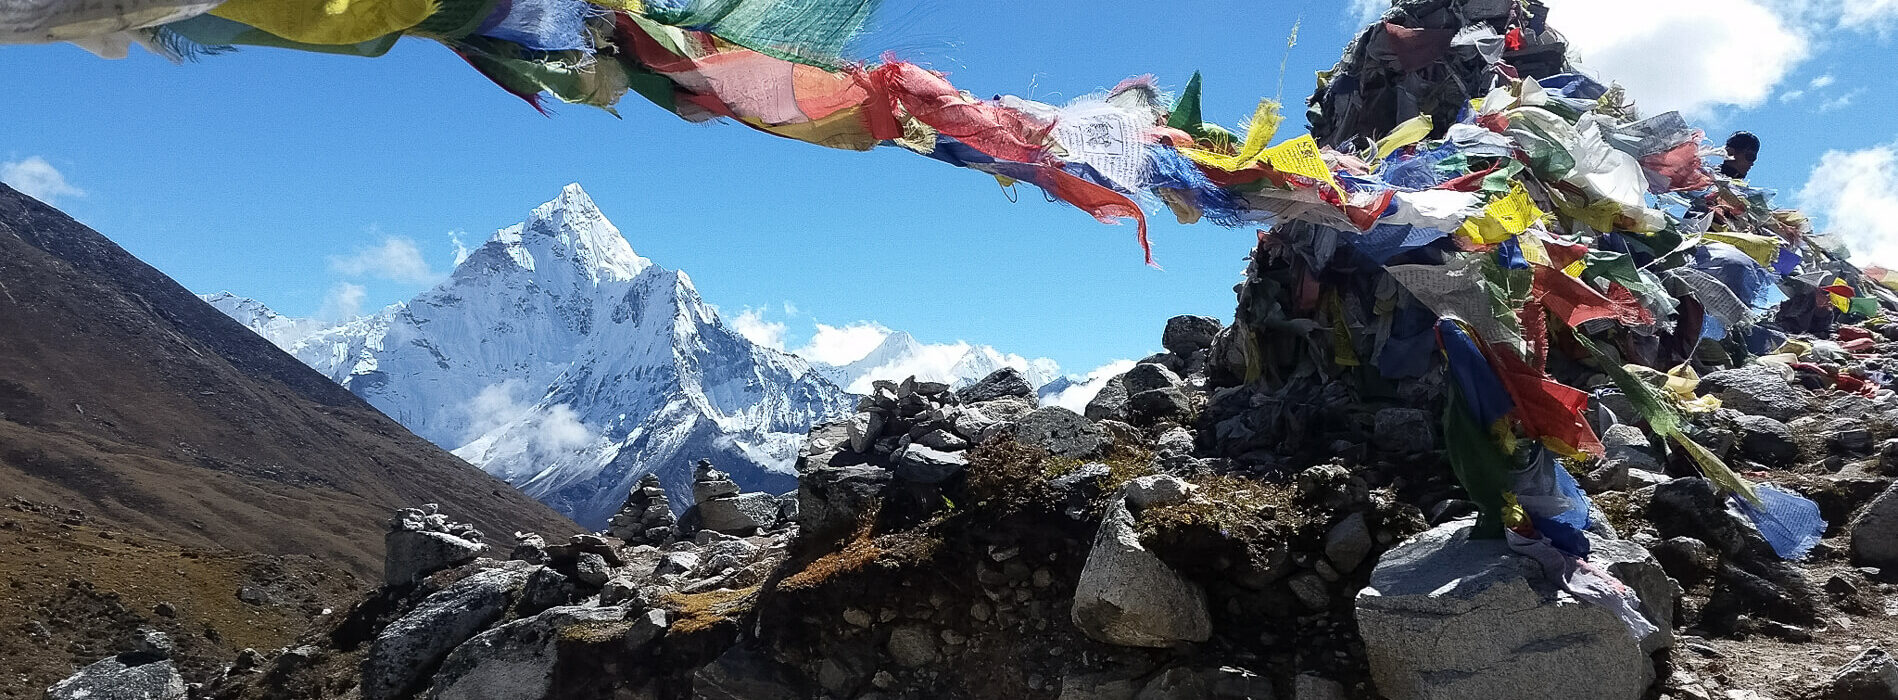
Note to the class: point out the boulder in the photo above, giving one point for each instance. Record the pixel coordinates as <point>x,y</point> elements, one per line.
<point>912,646</point>
<point>1766,441</point>
<point>516,661</point>
<point>1311,687</point>
<point>1150,376</point>
<point>830,499</point>
<point>1872,675</point>
<point>1111,402</point>
<point>1756,389</point>
<point>863,430</point>
<point>1157,404</point>
<point>412,554</point>
<point>1063,433</point>
<point>1448,617</point>
<point>1875,532</point>
<point>1126,595</point>
<point>945,440</point>
<point>1348,542</point>
<point>743,513</point>
<point>1404,430</point>
<point>409,647</point>
<point>742,673</point>
<point>1185,334</point>
<point>124,677</point>
<point>1003,382</point>
<point>925,465</point>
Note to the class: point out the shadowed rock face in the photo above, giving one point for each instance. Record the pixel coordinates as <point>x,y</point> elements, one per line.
<point>124,394</point>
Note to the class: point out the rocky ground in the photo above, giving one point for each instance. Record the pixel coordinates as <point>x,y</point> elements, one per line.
<point>1177,541</point>
<point>76,590</point>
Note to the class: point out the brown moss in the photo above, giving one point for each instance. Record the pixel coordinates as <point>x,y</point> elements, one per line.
<point>864,549</point>
<point>1239,508</point>
<point>1623,514</point>
<point>696,612</point>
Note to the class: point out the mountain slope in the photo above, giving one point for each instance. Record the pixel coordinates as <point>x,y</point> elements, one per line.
<point>124,393</point>
<point>560,360</point>
<point>901,356</point>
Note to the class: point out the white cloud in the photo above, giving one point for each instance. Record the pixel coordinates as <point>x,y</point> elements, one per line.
<point>1856,193</point>
<point>461,247</point>
<point>1690,55</point>
<point>751,323</point>
<point>38,179</point>
<point>842,345</point>
<point>1841,102</point>
<point>1366,10</point>
<point>929,363</point>
<point>395,259</point>
<point>790,309</point>
<point>560,430</point>
<point>1791,95</point>
<point>1823,81</point>
<point>1075,398</point>
<point>343,302</point>
<point>555,429</point>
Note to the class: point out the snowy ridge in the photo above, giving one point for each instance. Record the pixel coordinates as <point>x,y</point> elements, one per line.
<point>559,360</point>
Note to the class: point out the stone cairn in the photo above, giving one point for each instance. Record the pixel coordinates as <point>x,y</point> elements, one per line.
<point>647,516</point>
<point>422,541</point>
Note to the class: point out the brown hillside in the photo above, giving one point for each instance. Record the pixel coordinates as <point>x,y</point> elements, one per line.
<point>123,394</point>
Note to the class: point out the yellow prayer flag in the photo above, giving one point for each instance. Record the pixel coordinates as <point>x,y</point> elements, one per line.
<point>1504,218</point>
<point>1843,304</point>
<point>1259,133</point>
<point>1405,134</point>
<point>1762,249</point>
<point>328,22</point>
<point>1300,157</point>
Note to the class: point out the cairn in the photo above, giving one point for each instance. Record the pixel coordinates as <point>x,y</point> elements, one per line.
<point>646,518</point>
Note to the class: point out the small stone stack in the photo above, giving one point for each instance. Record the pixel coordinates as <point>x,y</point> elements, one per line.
<point>717,504</point>
<point>422,541</point>
<point>647,516</point>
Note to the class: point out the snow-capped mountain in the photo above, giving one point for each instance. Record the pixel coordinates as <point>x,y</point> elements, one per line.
<point>556,358</point>
<point>900,356</point>
<point>281,330</point>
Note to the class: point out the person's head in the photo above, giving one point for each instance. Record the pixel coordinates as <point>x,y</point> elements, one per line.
<point>1743,150</point>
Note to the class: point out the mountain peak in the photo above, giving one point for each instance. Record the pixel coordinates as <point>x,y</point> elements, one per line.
<point>571,227</point>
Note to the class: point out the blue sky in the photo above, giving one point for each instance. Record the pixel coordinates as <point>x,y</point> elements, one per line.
<point>270,172</point>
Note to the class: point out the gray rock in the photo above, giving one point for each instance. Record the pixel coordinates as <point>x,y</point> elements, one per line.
<point>940,439</point>
<point>1875,532</point>
<point>1404,430</point>
<point>1686,559</point>
<point>1150,376</point>
<point>412,554</point>
<point>1003,382</point>
<point>863,429</point>
<point>545,588</point>
<point>1158,404</point>
<point>1128,597</point>
<point>1185,334</point>
<point>1111,402</point>
<point>1177,683</point>
<point>1156,490</point>
<point>831,499</point>
<point>1310,590</point>
<point>1309,687</point>
<point>1451,618</point>
<point>744,513</point>
<point>1873,675</point>
<point>591,569</point>
<point>912,646</point>
<point>1063,433</point>
<point>516,661</point>
<point>1177,442</point>
<point>122,677</point>
<point>152,643</point>
<point>711,484</point>
<point>924,465</point>
<point>1848,436</point>
<point>742,673</point>
<point>1766,441</point>
<point>413,644</point>
<point>1756,389</point>
<point>1348,543</point>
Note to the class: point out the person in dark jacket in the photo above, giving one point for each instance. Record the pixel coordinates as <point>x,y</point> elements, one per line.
<point>1743,149</point>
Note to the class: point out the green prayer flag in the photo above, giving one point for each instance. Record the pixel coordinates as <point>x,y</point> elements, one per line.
<point>1480,466</point>
<point>1186,114</point>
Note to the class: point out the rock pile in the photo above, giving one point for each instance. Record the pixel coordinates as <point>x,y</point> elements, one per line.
<point>143,673</point>
<point>973,544</point>
<point>422,541</point>
<point>647,516</point>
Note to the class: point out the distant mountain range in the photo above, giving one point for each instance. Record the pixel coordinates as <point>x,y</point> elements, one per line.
<point>558,359</point>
